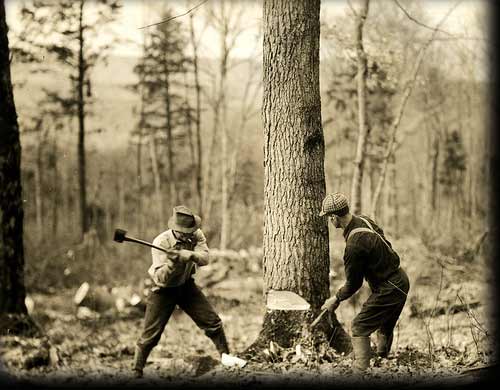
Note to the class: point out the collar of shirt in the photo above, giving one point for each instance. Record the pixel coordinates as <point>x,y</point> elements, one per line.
<point>176,240</point>
<point>355,222</point>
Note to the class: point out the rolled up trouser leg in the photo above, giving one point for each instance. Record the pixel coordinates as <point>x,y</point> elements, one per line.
<point>362,353</point>
<point>384,343</point>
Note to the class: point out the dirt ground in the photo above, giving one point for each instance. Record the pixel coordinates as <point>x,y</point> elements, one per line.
<point>440,347</point>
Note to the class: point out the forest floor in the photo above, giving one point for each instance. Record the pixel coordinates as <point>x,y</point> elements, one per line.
<point>433,344</point>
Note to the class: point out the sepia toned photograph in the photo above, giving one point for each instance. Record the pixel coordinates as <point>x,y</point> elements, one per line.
<point>210,193</point>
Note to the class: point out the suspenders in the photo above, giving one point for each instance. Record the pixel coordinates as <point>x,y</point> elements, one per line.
<point>372,230</point>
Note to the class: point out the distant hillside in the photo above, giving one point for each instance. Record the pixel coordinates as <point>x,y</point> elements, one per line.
<point>113,109</point>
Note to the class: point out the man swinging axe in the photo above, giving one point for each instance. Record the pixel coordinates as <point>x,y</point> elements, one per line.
<point>368,254</point>
<point>172,275</point>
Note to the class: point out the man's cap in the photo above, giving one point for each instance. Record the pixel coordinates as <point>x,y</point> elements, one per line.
<point>335,203</point>
<point>183,220</point>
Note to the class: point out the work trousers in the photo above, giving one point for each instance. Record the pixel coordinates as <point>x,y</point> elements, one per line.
<point>383,307</point>
<point>160,305</point>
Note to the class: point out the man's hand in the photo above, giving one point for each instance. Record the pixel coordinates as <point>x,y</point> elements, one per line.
<point>331,304</point>
<point>185,255</point>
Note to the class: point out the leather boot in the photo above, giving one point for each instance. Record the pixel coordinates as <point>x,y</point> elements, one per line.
<point>220,341</point>
<point>362,353</point>
<point>384,343</point>
<point>140,358</point>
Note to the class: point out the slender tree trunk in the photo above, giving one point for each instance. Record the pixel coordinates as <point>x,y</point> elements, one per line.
<point>38,190</point>
<point>393,207</point>
<point>189,127</point>
<point>157,179</point>
<point>434,169</point>
<point>296,249</point>
<point>359,160</point>
<point>56,197</point>
<point>140,180</point>
<point>224,229</point>
<point>199,149</point>
<point>172,188</point>
<point>13,312</point>
<point>82,180</point>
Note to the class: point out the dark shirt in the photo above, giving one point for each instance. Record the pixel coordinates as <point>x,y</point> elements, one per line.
<point>366,256</point>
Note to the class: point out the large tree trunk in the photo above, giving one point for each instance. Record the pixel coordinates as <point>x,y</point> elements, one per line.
<point>296,251</point>
<point>13,313</point>
<point>359,161</point>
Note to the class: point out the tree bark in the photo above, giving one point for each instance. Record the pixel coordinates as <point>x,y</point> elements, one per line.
<point>13,312</point>
<point>296,250</point>
<point>359,161</point>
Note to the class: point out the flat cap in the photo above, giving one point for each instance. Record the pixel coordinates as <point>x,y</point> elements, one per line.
<point>335,203</point>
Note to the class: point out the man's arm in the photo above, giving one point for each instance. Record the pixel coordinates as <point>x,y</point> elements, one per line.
<point>354,273</point>
<point>199,255</point>
<point>162,265</point>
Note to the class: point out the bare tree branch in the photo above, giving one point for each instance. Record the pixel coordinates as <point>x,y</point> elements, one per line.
<point>416,21</point>
<point>174,17</point>
<point>391,146</point>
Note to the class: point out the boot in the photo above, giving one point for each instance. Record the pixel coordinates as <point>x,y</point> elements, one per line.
<point>220,341</point>
<point>362,352</point>
<point>384,343</point>
<point>140,358</point>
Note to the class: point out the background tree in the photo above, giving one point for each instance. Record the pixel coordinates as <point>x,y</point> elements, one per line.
<point>364,127</point>
<point>164,120</point>
<point>66,30</point>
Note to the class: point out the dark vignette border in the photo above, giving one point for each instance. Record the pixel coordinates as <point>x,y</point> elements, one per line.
<point>493,155</point>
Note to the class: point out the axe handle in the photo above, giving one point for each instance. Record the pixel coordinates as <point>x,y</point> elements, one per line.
<point>314,323</point>
<point>168,251</point>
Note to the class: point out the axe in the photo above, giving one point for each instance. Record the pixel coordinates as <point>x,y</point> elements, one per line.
<point>121,235</point>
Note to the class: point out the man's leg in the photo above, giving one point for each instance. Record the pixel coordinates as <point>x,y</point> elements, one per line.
<point>363,325</point>
<point>385,333</point>
<point>160,305</point>
<point>196,305</point>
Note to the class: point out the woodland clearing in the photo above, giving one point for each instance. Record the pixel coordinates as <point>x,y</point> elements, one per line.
<point>445,335</point>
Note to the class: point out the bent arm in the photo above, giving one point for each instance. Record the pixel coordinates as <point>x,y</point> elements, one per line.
<point>162,266</point>
<point>353,273</point>
<point>200,251</point>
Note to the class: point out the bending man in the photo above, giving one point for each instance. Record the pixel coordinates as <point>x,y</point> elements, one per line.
<point>369,255</point>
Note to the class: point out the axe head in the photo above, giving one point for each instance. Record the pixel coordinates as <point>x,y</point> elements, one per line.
<point>285,300</point>
<point>119,235</point>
